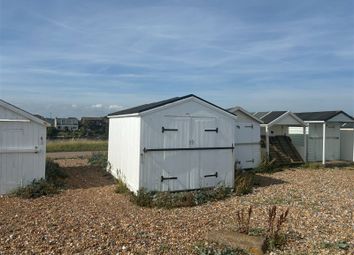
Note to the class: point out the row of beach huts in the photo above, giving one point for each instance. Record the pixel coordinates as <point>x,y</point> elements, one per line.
<point>183,143</point>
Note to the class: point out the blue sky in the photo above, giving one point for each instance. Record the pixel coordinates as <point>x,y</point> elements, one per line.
<point>74,58</point>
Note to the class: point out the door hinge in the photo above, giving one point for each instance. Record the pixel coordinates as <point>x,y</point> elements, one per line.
<point>163,129</point>
<point>212,175</point>
<point>168,178</point>
<point>216,130</point>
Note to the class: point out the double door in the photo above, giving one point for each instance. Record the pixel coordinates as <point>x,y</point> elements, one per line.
<point>190,157</point>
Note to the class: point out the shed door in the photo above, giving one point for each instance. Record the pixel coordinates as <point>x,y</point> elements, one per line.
<point>247,133</point>
<point>332,142</point>
<point>11,174</point>
<point>315,142</point>
<point>176,132</point>
<point>190,160</point>
<point>178,171</point>
<point>204,132</point>
<point>247,143</point>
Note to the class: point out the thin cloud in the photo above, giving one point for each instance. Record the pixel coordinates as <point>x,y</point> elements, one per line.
<point>94,51</point>
<point>97,106</point>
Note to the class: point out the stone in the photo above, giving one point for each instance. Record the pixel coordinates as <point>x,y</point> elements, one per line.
<point>252,244</point>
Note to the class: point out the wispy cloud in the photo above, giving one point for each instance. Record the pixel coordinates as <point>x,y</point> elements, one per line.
<point>97,106</point>
<point>128,53</point>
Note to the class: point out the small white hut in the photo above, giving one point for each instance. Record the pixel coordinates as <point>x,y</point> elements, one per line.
<point>22,147</point>
<point>182,143</point>
<point>247,139</point>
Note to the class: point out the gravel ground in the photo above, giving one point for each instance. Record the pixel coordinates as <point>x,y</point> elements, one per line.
<point>89,218</point>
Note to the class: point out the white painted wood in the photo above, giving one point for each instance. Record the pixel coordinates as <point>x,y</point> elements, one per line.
<point>187,122</point>
<point>191,119</point>
<point>244,116</point>
<point>10,120</point>
<point>347,144</point>
<point>247,139</point>
<point>304,155</point>
<point>247,145</point>
<point>267,141</point>
<point>22,148</point>
<point>124,150</point>
<point>324,144</point>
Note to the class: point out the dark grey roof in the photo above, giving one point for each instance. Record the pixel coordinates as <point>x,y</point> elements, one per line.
<point>259,114</point>
<point>321,116</point>
<point>145,107</point>
<point>268,117</point>
<point>272,116</point>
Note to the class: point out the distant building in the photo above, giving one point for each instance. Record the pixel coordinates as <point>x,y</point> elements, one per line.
<point>70,123</point>
<point>94,121</point>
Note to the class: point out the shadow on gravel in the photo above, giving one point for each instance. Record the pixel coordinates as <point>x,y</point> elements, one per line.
<point>264,181</point>
<point>84,177</point>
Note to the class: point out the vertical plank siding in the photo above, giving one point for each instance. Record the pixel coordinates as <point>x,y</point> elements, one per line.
<point>22,151</point>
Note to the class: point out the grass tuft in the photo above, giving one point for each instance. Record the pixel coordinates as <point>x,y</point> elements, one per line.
<point>77,145</point>
<point>214,249</point>
<point>99,159</point>
<point>244,182</point>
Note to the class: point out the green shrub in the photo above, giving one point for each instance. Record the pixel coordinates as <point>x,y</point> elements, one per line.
<point>54,180</point>
<point>121,187</point>
<point>210,249</point>
<point>53,173</point>
<point>266,166</point>
<point>142,198</point>
<point>220,192</point>
<point>99,159</point>
<point>180,199</point>
<point>312,165</point>
<point>244,182</point>
<point>36,189</point>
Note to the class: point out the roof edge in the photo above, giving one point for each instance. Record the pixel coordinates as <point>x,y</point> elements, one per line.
<point>285,114</point>
<point>239,108</point>
<point>170,103</point>
<point>24,113</point>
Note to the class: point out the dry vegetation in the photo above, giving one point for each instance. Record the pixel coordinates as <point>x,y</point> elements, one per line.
<point>90,218</point>
<point>76,145</point>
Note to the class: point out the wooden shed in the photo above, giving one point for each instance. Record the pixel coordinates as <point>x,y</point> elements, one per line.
<point>247,139</point>
<point>22,147</point>
<point>182,143</point>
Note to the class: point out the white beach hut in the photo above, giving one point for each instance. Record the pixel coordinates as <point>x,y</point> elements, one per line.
<point>22,147</point>
<point>183,143</point>
<point>247,139</point>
